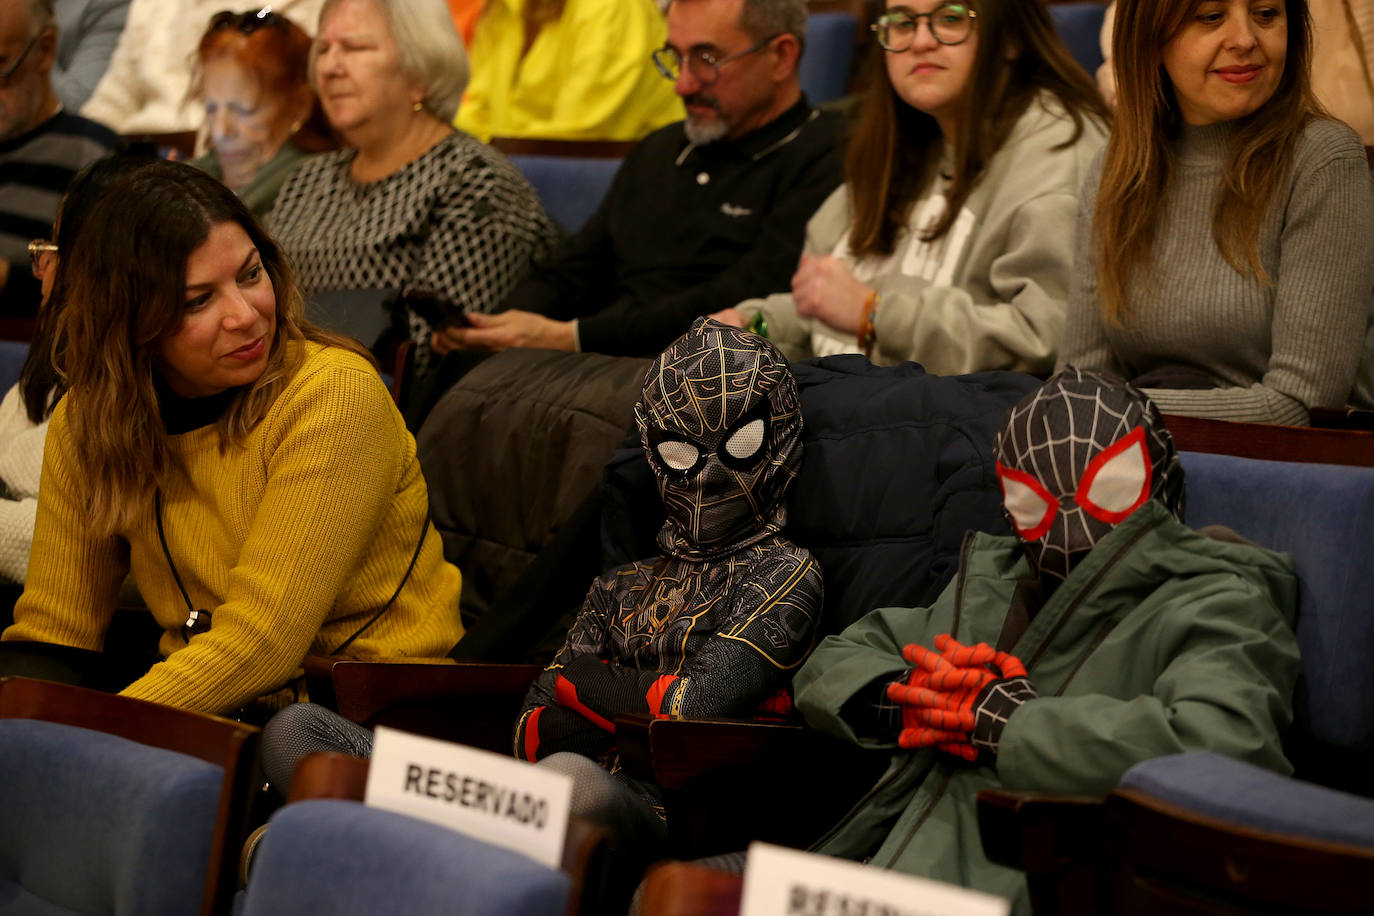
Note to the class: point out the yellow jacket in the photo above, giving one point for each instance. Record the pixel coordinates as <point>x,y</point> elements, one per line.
<point>587,76</point>
<point>292,541</point>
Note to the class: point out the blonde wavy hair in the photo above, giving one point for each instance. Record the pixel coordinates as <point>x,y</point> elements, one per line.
<point>125,295</point>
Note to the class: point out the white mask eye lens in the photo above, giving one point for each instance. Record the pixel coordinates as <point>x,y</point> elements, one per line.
<point>1029,504</point>
<point>1118,480</point>
<point>746,441</point>
<point>678,455</point>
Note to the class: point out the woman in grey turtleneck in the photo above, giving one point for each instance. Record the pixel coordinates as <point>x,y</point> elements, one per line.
<point>1225,251</point>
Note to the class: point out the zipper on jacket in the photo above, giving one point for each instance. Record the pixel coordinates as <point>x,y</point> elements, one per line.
<point>935,800</point>
<point>1088,590</point>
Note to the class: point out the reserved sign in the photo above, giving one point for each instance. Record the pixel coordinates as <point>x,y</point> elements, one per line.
<point>497,799</point>
<point>786,882</point>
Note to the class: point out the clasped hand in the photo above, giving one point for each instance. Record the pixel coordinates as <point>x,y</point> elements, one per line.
<point>942,690</point>
<point>826,289</point>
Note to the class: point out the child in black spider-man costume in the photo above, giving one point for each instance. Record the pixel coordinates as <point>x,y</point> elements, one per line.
<point>720,620</point>
<point>1104,634</point>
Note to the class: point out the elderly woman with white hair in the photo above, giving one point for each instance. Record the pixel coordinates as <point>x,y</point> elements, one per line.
<point>409,201</point>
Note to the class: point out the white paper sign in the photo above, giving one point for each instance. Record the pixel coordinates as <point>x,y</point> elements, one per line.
<point>497,799</point>
<point>785,882</point>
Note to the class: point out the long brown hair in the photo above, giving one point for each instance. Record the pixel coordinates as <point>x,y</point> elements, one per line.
<point>895,146</point>
<point>125,294</point>
<point>1139,159</point>
<point>40,386</point>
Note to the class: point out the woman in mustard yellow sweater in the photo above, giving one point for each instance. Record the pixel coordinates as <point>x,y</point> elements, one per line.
<point>248,468</point>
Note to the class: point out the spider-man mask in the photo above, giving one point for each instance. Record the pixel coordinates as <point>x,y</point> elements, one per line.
<point>721,423</point>
<point>1075,459</point>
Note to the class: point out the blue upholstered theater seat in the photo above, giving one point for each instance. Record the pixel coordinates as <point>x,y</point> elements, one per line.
<point>12,356</point>
<point>824,68</point>
<point>93,823</point>
<point>344,858</point>
<point>1080,27</point>
<point>1323,515</point>
<point>569,187</point>
<point>1241,793</point>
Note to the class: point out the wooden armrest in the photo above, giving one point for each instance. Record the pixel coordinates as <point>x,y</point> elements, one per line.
<point>710,771</point>
<point>326,774</point>
<point>1038,833</point>
<point>1059,841</point>
<point>673,752</point>
<point>473,703</point>
<point>684,889</point>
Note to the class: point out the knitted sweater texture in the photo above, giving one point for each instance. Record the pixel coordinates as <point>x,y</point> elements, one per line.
<point>293,541</point>
<point>1274,351</point>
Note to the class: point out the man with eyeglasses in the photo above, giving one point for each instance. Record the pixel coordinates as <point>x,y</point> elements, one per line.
<point>703,213</point>
<point>41,146</point>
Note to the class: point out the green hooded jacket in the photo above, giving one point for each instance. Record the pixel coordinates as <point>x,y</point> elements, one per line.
<point>1161,640</point>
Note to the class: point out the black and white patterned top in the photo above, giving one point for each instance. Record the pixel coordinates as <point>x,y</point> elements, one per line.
<point>460,219</point>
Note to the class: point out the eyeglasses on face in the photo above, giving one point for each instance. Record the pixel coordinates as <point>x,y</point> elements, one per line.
<point>38,248</point>
<point>703,64</point>
<point>248,22</point>
<point>18,61</point>
<point>950,24</point>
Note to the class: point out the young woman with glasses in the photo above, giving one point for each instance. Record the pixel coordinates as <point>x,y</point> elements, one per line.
<point>249,469</point>
<point>1224,245</point>
<point>950,242</point>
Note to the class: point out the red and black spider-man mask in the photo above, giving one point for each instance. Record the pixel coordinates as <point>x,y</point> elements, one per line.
<point>720,420</point>
<point>1075,459</point>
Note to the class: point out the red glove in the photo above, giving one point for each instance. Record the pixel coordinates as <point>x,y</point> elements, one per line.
<point>958,700</point>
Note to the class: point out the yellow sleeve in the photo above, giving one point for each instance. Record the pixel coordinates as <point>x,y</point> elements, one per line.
<point>333,447</point>
<point>607,86</point>
<point>74,576</point>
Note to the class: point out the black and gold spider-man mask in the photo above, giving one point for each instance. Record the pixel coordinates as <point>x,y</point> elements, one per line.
<point>1075,459</point>
<point>721,422</point>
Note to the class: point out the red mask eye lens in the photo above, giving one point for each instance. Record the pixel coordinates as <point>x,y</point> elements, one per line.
<point>1029,504</point>
<point>1117,481</point>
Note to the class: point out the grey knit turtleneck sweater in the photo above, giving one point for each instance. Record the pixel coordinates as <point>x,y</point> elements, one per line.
<point>1275,351</point>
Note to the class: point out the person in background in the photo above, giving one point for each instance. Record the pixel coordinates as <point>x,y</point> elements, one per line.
<point>1223,257</point>
<point>41,146</point>
<point>260,112</point>
<point>567,70</point>
<point>250,469</point>
<point>147,87</point>
<point>410,202</point>
<point>87,32</point>
<point>27,406</point>
<point>702,213</point>
<point>951,241</point>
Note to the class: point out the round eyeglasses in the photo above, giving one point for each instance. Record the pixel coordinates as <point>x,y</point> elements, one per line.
<point>702,63</point>
<point>950,24</point>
